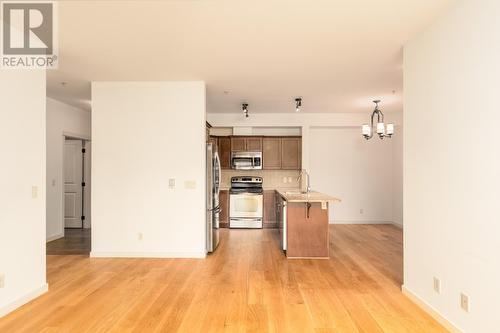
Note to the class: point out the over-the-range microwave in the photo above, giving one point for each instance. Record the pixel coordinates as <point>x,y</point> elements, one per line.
<point>246,160</point>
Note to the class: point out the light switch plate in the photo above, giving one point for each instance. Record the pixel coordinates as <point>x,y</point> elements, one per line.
<point>34,192</point>
<point>2,280</point>
<point>437,285</point>
<point>464,302</point>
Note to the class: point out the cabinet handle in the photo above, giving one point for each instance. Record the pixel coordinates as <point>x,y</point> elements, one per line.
<point>308,207</point>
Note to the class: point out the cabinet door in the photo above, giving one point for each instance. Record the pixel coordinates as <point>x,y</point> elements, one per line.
<point>224,146</point>
<point>254,144</point>
<point>271,153</point>
<point>238,143</point>
<point>291,153</point>
<point>224,208</point>
<point>269,209</point>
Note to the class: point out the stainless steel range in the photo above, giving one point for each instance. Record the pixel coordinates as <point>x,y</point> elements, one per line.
<point>246,202</point>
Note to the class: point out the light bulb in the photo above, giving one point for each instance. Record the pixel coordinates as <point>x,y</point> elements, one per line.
<point>380,128</point>
<point>390,129</point>
<point>366,130</point>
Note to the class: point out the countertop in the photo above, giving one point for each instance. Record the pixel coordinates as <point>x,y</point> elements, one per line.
<point>312,196</point>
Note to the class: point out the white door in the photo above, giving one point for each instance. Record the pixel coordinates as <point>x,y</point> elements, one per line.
<point>72,184</point>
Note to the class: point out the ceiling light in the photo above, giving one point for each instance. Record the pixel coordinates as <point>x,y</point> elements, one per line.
<point>381,129</point>
<point>244,107</point>
<point>298,104</point>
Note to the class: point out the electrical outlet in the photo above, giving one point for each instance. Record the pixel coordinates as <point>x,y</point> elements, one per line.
<point>171,183</point>
<point>289,179</point>
<point>34,192</point>
<point>437,285</point>
<point>53,182</point>
<point>284,180</point>
<point>361,211</point>
<point>190,184</point>
<point>464,302</point>
<point>140,236</point>
<point>2,280</point>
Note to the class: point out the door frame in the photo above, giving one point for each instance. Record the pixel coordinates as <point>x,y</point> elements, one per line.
<point>70,136</point>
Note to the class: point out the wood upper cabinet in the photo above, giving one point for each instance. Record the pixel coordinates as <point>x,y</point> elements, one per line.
<point>291,153</point>
<point>269,209</point>
<point>271,153</point>
<point>224,148</point>
<point>238,143</point>
<point>224,208</point>
<point>242,143</point>
<point>254,144</point>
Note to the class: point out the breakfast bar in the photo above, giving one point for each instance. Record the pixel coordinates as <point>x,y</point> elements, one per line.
<point>303,223</point>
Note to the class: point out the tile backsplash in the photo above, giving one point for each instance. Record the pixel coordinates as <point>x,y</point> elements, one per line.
<point>272,179</point>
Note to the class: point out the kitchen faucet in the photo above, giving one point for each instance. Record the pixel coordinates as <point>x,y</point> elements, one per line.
<point>308,180</point>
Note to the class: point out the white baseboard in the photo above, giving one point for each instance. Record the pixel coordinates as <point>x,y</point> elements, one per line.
<point>397,225</point>
<point>167,255</point>
<point>430,310</point>
<point>23,299</point>
<point>54,237</point>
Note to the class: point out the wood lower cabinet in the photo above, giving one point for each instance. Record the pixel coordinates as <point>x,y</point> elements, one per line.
<point>271,153</point>
<point>291,153</point>
<point>270,209</point>
<point>224,209</point>
<point>224,148</point>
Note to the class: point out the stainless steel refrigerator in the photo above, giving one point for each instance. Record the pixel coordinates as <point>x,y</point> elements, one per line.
<point>213,207</point>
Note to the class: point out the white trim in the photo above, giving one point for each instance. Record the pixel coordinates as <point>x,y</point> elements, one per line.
<point>169,255</point>
<point>358,222</point>
<point>24,299</point>
<point>430,310</point>
<point>76,136</point>
<point>397,225</point>
<point>54,237</point>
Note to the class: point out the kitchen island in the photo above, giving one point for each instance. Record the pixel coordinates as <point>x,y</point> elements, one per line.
<point>303,223</point>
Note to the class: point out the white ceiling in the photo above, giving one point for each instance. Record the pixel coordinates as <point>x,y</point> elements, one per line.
<point>337,55</point>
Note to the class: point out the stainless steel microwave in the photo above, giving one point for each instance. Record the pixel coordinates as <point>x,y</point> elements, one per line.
<point>246,160</point>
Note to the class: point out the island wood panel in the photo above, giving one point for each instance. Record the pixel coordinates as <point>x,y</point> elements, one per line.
<point>270,209</point>
<point>224,209</point>
<point>224,148</point>
<point>271,153</point>
<point>291,153</point>
<point>307,236</point>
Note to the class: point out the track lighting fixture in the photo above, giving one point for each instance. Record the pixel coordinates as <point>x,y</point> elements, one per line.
<point>298,104</point>
<point>244,107</point>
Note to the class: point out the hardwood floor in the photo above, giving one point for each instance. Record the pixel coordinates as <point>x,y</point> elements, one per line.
<point>75,241</point>
<point>247,285</point>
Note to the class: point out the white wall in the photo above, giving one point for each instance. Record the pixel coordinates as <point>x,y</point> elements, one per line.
<point>336,137</point>
<point>62,119</point>
<point>452,163</point>
<point>22,216</point>
<point>144,133</point>
<point>342,163</point>
<point>397,176</point>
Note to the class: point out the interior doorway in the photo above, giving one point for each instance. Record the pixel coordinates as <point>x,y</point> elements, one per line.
<point>76,199</point>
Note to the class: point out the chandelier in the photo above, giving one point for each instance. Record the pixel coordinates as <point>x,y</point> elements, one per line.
<point>382,129</point>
